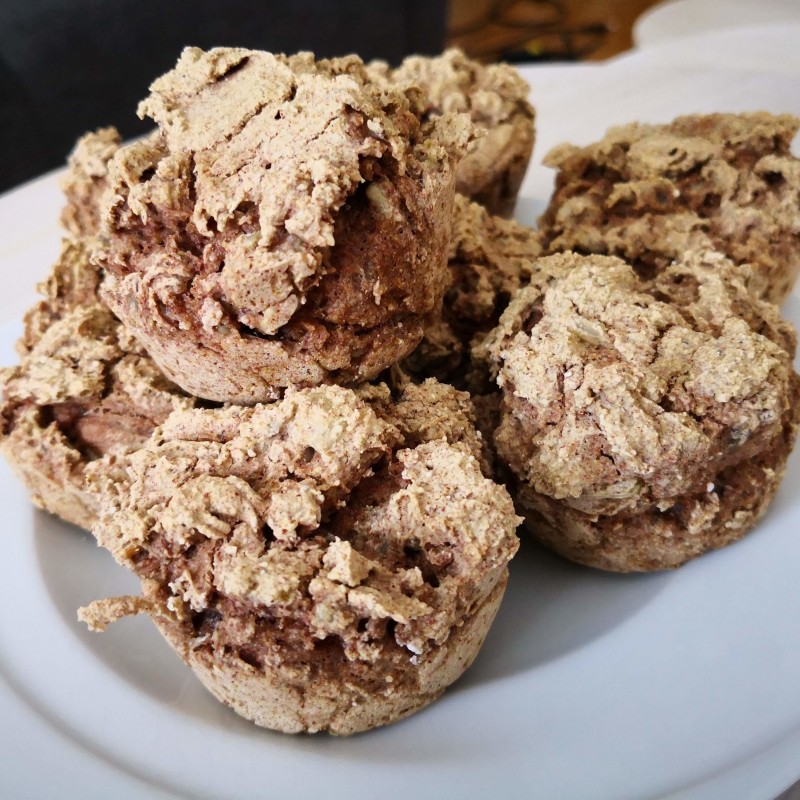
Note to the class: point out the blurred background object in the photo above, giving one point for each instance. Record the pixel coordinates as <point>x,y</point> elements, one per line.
<point>543,30</point>
<point>69,66</point>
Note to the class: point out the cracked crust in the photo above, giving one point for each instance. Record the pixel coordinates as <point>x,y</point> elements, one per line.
<point>490,259</point>
<point>84,389</point>
<point>287,224</point>
<point>429,411</point>
<point>318,562</point>
<point>645,423</point>
<point>649,193</point>
<point>496,98</point>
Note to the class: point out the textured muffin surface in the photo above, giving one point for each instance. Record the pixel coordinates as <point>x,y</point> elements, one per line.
<point>489,259</point>
<point>496,98</point>
<point>85,182</point>
<point>286,225</point>
<point>321,553</point>
<point>645,423</point>
<point>84,388</point>
<point>649,193</point>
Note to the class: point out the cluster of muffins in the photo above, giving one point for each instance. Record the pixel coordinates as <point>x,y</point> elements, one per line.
<point>297,370</point>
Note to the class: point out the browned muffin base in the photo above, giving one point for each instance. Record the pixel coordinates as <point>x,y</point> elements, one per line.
<point>708,520</point>
<point>333,699</point>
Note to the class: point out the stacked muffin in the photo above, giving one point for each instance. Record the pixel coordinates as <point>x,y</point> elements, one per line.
<point>280,361</point>
<point>200,387</point>
<point>648,403</point>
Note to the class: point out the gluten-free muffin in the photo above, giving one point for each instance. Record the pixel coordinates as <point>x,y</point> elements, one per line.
<point>496,98</point>
<point>84,389</point>
<point>645,423</point>
<point>286,225</point>
<point>319,562</point>
<point>650,193</point>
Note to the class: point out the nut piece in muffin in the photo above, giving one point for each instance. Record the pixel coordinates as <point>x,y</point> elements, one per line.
<point>649,193</point>
<point>490,259</point>
<point>286,225</point>
<point>496,98</point>
<point>84,389</point>
<point>318,562</point>
<point>644,423</point>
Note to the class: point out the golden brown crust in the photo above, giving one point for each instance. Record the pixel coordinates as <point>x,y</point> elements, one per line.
<point>83,389</point>
<point>649,193</point>
<point>286,226</point>
<point>635,415</point>
<point>315,545</point>
<point>496,98</point>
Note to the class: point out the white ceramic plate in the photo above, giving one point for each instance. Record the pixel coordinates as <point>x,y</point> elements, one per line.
<point>769,47</point>
<point>591,686</point>
<point>676,19</point>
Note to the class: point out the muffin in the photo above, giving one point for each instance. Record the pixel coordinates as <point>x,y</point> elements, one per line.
<point>645,423</point>
<point>84,389</point>
<point>320,562</point>
<point>650,193</point>
<point>496,98</point>
<point>286,225</point>
<point>85,182</point>
<point>490,259</point>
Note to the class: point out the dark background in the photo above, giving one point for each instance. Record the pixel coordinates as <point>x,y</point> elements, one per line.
<point>69,66</point>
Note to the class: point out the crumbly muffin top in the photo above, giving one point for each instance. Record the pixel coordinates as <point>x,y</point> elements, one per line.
<point>648,193</point>
<point>619,395</point>
<point>81,370</point>
<point>495,97</point>
<point>428,411</point>
<point>85,183</point>
<point>491,94</point>
<point>256,155</point>
<point>307,520</point>
<point>72,284</point>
